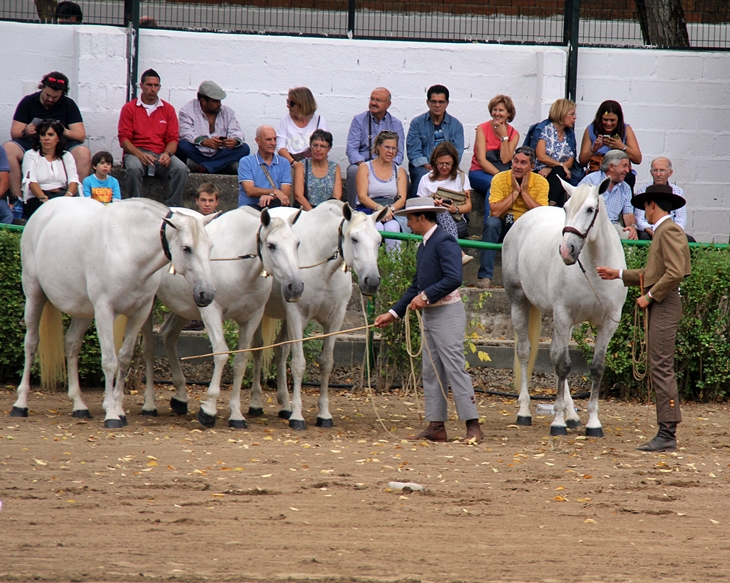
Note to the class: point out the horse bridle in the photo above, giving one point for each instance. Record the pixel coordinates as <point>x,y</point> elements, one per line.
<point>339,252</point>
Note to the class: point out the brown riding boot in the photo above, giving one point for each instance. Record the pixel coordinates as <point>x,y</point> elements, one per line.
<point>665,440</point>
<point>436,431</point>
<point>473,431</point>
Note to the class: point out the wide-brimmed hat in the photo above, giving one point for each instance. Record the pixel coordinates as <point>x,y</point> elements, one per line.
<point>211,90</point>
<point>656,191</point>
<point>420,204</point>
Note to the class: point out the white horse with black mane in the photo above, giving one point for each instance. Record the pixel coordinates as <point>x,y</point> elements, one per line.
<point>540,276</point>
<point>335,239</point>
<point>97,262</point>
<point>251,251</point>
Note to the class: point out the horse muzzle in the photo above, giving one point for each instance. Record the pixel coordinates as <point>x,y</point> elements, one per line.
<point>203,295</point>
<point>292,290</point>
<point>569,251</point>
<point>369,284</point>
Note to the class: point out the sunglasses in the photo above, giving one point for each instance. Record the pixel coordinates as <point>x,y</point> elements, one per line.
<point>60,82</point>
<point>291,103</point>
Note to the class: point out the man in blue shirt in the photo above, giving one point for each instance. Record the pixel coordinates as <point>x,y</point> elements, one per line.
<point>364,128</point>
<point>264,177</point>
<point>427,130</point>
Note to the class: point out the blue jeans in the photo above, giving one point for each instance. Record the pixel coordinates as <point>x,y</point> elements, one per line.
<point>6,213</point>
<point>215,163</point>
<point>494,231</point>
<point>481,182</point>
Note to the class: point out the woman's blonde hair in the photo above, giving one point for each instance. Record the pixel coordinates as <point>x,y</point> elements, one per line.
<point>560,109</point>
<point>508,105</point>
<point>381,137</point>
<point>303,96</point>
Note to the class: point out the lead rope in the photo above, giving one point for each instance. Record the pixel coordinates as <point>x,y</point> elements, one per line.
<point>640,357</point>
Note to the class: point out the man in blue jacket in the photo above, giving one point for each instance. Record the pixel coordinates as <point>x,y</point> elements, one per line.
<point>435,290</point>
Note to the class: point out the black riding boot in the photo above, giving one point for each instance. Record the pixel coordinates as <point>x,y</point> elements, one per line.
<point>665,440</point>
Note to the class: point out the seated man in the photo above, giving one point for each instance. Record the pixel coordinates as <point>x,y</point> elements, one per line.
<point>661,171</point>
<point>69,13</point>
<point>513,193</point>
<point>427,130</point>
<point>206,198</point>
<point>363,130</point>
<point>6,213</point>
<point>210,138</point>
<point>148,134</point>
<point>615,166</point>
<point>264,177</point>
<point>51,102</point>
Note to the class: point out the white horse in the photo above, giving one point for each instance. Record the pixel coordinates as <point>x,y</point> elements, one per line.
<point>333,237</point>
<point>261,246</point>
<point>540,276</point>
<point>97,262</point>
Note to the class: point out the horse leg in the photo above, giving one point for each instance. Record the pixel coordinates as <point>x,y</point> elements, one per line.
<point>170,331</point>
<point>572,419</point>
<point>603,337</point>
<point>213,320</point>
<point>105,330</point>
<point>148,350</point>
<point>246,330</point>
<point>281,355</point>
<point>124,357</point>
<point>73,341</point>
<point>326,362</point>
<point>561,363</point>
<point>298,364</point>
<point>34,303</point>
<point>255,407</point>
<point>520,323</point>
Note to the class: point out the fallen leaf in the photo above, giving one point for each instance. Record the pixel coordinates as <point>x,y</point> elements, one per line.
<point>589,521</point>
<point>560,499</point>
<point>40,462</point>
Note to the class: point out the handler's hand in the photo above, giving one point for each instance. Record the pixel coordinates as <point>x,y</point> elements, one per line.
<point>607,272</point>
<point>642,302</point>
<point>417,303</point>
<point>384,320</point>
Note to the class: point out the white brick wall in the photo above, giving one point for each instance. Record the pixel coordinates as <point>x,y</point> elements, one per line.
<point>677,102</point>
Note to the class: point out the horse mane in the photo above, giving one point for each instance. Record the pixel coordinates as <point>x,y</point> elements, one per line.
<point>579,197</point>
<point>149,204</point>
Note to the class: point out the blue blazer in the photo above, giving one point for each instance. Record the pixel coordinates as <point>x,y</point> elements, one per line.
<point>438,270</point>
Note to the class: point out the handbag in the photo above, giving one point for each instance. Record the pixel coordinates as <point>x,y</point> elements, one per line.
<point>594,164</point>
<point>494,159</point>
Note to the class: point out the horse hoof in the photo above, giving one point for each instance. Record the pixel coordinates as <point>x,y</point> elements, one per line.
<point>150,413</point>
<point>524,421</point>
<point>178,407</point>
<point>19,412</point>
<point>558,430</point>
<point>207,421</point>
<point>123,419</point>
<point>594,431</point>
<point>285,414</point>
<point>573,423</point>
<point>237,424</point>
<point>255,411</point>
<point>113,424</point>
<point>297,424</point>
<point>81,414</point>
<point>324,422</point>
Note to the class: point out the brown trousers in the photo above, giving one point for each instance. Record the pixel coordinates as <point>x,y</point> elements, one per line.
<point>664,319</point>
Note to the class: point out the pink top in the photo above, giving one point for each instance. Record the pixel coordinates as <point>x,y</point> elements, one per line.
<point>493,141</point>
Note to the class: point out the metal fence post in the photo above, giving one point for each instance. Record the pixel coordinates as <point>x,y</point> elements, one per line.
<point>351,18</point>
<point>571,31</point>
<point>131,22</point>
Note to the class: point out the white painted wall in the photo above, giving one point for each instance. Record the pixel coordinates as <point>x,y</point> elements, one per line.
<point>677,102</point>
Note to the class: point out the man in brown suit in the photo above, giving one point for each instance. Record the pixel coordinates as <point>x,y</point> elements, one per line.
<point>666,268</point>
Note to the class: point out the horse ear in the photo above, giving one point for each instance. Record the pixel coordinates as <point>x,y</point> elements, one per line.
<point>169,222</point>
<point>295,217</point>
<point>208,218</point>
<point>603,187</point>
<point>347,211</point>
<point>380,215</point>
<point>569,188</point>
<point>265,217</point>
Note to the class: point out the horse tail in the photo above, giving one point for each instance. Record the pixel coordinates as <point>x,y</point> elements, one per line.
<point>51,355</point>
<point>269,330</point>
<point>120,325</point>
<point>534,326</point>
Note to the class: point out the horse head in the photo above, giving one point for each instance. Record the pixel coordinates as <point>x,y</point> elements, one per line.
<point>581,212</point>
<point>187,245</point>
<point>360,244</point>
<point>279,252</point>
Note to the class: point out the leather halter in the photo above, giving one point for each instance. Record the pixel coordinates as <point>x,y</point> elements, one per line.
<point>163,237</point>
<point>574,231</point>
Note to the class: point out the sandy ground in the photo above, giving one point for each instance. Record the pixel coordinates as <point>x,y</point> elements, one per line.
<point>164,500</point>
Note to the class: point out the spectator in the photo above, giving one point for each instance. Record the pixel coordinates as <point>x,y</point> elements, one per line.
<point>382,183</point>
<point>609,132</point>
<point>49,171</point>
<point>317,179</point>
<point>99,185</point>
<point>661,171</point>
<point>6,213</point>
<point>514,192</point>
<point>147,21</point>
<point>363,129</point>
<point>615,166</point>
<point>69,13</point>
<point>148,134</point>
<point>427,130</point>
<point>295,129</point>
<point>206,198</point>
<point>210,138</point>
<point>50,103</point>
<point>264,177</point>
<point>556,150</point>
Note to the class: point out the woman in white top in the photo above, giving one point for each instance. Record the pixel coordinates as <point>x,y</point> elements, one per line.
<point>295,129</point>
<point>48,170</point>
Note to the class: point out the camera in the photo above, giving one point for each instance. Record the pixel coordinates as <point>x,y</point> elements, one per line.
<point>509,218</point>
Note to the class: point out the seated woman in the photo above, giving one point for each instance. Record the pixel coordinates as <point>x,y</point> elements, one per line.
<point>494,146</point>
<point>317,179</point>
<point>48,169</point>
<point>609,132</point>
<point>446,175</point>
<point>556,150</point>
<point>381,182</point>
<point>295,129</point>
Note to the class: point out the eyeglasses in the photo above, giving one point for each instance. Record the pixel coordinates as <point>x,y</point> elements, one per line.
<point>390,148</point>
<point>444,164</point>
<point>291,103</point>
<point>319,146</point>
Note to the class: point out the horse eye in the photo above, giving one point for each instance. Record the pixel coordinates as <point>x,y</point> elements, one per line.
<point>353,239</point>
<point>590,210</point>
<point>187,249</point>
<point>271,246</point>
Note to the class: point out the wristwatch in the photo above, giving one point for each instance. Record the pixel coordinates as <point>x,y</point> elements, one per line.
<point>504,138</point>
<point>424,297</point>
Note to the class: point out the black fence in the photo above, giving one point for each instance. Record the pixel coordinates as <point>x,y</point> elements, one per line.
<point>701,24</point>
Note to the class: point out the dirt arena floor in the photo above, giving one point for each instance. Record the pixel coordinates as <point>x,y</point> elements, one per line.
<point>163,500</point>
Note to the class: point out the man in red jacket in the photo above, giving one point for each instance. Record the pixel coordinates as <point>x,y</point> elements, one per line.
<point>148,134</point>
